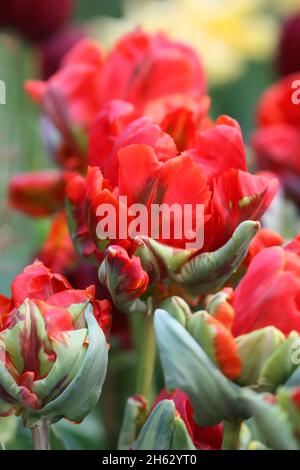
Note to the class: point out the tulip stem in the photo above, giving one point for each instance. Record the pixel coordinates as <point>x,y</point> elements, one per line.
<point>231,435</point>
<point>40,436</point>
<point>147,356</point>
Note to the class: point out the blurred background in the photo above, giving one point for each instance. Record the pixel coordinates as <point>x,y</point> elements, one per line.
<point>244,46</point>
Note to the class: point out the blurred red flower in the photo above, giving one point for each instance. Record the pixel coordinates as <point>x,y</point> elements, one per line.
<point>276,141</point>
<point>37,193</point>
<point>139,69</point>
<point>269,293</point>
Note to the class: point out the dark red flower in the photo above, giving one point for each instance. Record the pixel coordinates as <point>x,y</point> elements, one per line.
<point>36,19</point>
<point>56,47</point>
<point>289,46</point>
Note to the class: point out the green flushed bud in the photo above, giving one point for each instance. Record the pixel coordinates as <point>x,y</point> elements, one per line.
<point>255,349</point>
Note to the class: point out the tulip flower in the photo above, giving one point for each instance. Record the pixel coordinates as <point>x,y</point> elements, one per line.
<point>37,194</point>
<point>268,295</point>
<point>276,141</point>
<point>152,66</point>
<point>124,277</point>
<point>53,348</point>
<point>228,193</point>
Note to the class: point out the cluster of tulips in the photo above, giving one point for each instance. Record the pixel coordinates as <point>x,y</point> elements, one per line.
<point>223,320</point>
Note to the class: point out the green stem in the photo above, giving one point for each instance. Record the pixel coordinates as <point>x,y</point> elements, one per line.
<point>147,357</point>
<point>231,435</point>
<point>40,436</point>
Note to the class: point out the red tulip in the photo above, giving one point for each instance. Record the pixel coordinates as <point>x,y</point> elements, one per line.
<point>46,332</point>
<point>40,283</point>
<point>265,238</point>
<point>37,194</point>
<point>213,174</point>
<point>204,438</point>
<point>139,69</point>
<point>276,141</point>
<point>269,293</point>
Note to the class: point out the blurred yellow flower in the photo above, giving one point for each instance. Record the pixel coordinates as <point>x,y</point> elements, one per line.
<point>226,33</point>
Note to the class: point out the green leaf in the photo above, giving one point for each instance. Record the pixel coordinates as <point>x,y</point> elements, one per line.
<point>186,366</point>
<point>157,432</point>
<point>208,271</point>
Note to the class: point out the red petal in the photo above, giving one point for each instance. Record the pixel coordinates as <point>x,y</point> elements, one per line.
<point>37,282</point>
<point>238,196</point>
<point>220,148</point>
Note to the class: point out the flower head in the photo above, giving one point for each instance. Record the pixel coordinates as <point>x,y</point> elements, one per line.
<point>50,338</point>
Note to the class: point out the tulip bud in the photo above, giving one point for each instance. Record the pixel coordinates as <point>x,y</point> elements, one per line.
<point>53,358</point>
<point>37,194</point>
<point>254,349</point>
<point>177,308</point>
<point>125,279</point>
<point>279,367</point>
<point>219,307</point>
<point>217,341</point>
